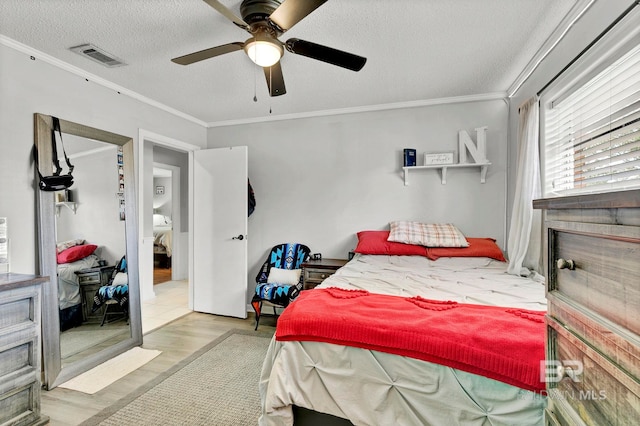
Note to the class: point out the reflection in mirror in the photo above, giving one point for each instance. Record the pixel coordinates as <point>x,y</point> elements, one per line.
<point>91,308</point>
<point>90,241</point>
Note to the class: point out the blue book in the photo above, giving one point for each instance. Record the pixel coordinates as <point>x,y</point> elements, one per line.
<point>409,157</point>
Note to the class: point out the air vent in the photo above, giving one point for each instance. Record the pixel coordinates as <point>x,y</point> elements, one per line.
<point>98,55</point>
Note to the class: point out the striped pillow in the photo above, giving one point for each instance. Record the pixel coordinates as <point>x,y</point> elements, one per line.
<point>427,234</point>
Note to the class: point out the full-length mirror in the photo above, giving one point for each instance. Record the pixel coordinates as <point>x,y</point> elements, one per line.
<point>88,248</point>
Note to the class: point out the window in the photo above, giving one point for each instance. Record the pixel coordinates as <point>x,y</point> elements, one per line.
<point>590,120</point>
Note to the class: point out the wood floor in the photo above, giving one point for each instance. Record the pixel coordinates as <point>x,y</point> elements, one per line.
<point>177,340</point>
<point>161,275</point>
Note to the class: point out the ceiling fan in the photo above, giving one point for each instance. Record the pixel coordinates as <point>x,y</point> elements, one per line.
<point>266,20</point>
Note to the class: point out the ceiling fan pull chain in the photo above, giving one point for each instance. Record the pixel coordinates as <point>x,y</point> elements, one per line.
<point>255,78</point>
<point>270,85</point>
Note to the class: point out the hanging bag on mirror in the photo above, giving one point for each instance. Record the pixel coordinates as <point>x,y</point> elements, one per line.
<point>55,182</point>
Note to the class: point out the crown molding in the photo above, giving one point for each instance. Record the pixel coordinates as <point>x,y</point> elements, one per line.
<point>323,113</point>
<point>6,41</point>
<point>547,47</point>
<point>366,108</point>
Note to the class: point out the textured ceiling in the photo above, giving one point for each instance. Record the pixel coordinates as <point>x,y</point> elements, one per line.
<point>417,50</point>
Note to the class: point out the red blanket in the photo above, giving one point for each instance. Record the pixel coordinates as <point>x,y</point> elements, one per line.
<point>504,344</point>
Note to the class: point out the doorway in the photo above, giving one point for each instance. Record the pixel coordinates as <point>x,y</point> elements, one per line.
<point>165,229</point>
<point>229,249</point>
<point>162,220</point>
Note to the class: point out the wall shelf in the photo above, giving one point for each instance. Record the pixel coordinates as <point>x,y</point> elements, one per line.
<point>68,204</point>
<point>443,170</point>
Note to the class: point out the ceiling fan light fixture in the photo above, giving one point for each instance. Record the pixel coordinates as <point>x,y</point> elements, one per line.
<point>265,52</point>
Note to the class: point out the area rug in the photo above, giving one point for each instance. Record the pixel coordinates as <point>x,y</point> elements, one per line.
<point>108,372</point>
<point>218,385</point>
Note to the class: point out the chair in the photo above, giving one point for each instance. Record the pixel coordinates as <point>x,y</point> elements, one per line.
<point>113,295</point>
<point>280,278</point>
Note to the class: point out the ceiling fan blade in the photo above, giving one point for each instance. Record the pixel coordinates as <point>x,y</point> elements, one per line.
<point>208,53</point>
<point>275,80</point>
<point>223,10</point>
<point>326,54</point>
<point>290,12</point>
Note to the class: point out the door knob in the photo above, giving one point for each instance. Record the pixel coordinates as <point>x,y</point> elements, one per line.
<point>566,264</point>
<point>239,237</point>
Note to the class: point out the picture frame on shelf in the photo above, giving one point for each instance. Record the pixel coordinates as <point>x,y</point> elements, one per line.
<point>61,196</point>
<point>438,158</point>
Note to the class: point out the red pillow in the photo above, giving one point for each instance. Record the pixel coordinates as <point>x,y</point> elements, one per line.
<point>75,253</point>
<point>375,242</point>
<point>478,247</point>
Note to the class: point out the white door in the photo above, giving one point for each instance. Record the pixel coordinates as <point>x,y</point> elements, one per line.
<point>220,231</point>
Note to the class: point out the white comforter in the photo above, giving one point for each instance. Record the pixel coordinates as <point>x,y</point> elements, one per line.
<point>162,236</point>
<point>476,280</point>
<point>375,388</point>
<point>68,285</point>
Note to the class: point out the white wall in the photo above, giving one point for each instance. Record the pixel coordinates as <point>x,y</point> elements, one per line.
<point>97,219</point>
<point>162,202</point>
<point>181,160</point>
<point>321,180</point>
<point>29,86</point>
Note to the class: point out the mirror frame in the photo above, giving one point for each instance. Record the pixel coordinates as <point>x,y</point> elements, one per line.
<point>54,374</point>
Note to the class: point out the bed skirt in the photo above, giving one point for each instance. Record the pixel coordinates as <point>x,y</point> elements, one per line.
<point>71,317</point>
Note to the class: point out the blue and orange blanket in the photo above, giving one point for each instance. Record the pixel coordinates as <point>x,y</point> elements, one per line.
<point>117,293</point>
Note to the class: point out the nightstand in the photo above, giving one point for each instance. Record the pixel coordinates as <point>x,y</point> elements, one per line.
<point>90,280</point>
<point>316,271</point>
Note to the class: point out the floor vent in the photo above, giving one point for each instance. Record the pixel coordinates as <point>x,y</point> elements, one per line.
<point>98,55</point>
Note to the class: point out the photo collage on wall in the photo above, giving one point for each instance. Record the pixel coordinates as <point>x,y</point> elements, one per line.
<point>4,246</point>
<point>121,183</point>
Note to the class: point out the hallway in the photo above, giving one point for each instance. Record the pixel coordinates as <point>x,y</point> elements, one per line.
<point>171,302</point>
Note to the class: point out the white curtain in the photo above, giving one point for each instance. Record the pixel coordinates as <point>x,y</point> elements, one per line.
<point>525,238</point>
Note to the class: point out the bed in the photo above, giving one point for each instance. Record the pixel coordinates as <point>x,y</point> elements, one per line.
<point>69,293</point>
<point>162,239</point>
<point>370,385</point>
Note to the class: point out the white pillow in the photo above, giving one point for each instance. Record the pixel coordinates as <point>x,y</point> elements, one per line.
<point>161,220</point>
<point>121,278</point>
<point>68,244</point>
<point>427,234</point>
<point>284,276</point>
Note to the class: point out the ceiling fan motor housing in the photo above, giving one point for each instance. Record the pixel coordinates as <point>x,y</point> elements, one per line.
<point>266,21</point>
<point>256,11</point>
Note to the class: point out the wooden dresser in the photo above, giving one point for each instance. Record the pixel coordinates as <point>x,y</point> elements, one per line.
<point>592,266</point>
<point>20,301</point>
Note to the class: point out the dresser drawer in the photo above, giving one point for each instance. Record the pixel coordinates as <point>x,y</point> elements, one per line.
<point>605,276</point>
<point>313,277</point>
<point>317,275</point>
<point>89,278</point>
<point>17,357</point>
<point>594,390</point>
<point>19,406</point>
<point>17,311</point>
<point>316,271</point>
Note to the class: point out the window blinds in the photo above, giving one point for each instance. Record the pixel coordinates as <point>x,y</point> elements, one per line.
<point>592,134</point>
